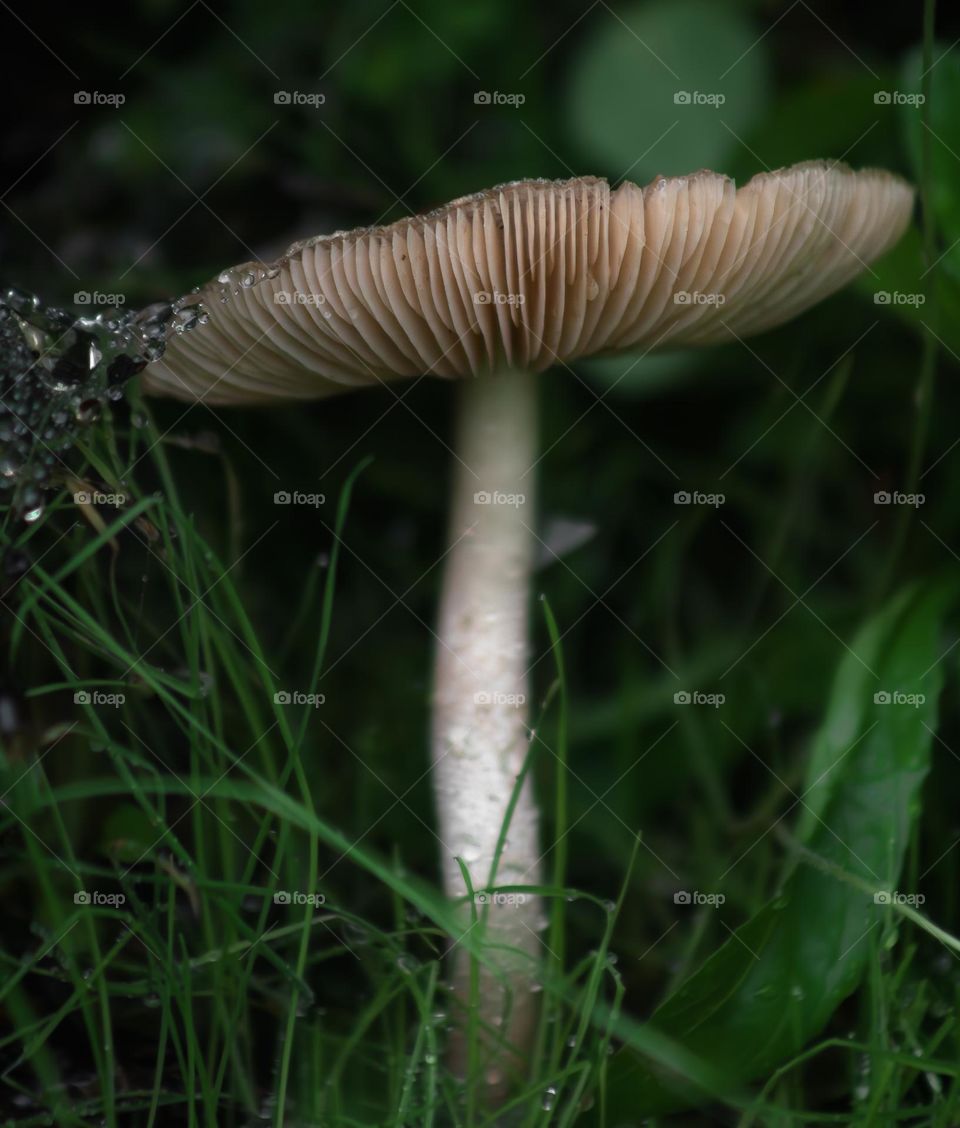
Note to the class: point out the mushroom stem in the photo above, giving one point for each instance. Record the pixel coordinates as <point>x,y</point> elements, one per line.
<point>481,716</point>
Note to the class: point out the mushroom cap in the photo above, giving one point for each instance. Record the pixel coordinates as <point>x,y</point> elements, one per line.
<point>530,274</point>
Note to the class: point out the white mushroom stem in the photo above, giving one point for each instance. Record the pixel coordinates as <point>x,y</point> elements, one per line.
<point>481,697</point>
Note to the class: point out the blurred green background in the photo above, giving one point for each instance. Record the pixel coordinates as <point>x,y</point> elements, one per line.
<point>202,166</point>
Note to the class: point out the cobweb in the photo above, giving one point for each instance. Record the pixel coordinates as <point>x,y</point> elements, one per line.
<point>57,371</point>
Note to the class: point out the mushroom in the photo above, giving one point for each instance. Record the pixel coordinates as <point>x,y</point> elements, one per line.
<point>491,290</point>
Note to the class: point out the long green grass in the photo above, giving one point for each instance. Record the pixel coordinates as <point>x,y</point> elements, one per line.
<point>189,995</point>
<point>151,974</point>
<point>157,968</point>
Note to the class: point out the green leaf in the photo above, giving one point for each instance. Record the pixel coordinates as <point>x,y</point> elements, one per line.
<point>943,135</point>
<point>126,834</point>
<point>645,93</point>
<point>898,285</point>
<point>641,375</point>
<point>773,986</point>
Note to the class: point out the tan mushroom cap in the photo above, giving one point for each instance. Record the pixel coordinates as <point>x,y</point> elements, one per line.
<point>531,274</point>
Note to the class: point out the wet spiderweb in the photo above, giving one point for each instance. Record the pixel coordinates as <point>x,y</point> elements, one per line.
<point>57,371</point>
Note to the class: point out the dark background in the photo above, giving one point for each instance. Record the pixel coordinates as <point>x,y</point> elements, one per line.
<point>200,168</point>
